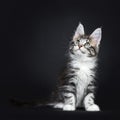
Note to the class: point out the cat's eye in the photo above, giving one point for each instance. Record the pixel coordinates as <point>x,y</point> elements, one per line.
<point>78,40</point>
<point>87,45</point>
<point>72,43</point>
<point>87,40</point>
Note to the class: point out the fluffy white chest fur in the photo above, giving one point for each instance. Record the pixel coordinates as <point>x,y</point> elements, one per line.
<point>84,75</point>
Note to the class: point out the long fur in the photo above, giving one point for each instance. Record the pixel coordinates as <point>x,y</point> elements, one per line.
<point>76,86</point>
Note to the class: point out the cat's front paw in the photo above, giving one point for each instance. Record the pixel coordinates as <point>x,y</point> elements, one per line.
<point>58,105</point>
<point>69,108</point>
<point>93,107</point>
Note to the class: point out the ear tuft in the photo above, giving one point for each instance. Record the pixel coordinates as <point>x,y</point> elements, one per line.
<point>96,36</point>
<point>79,31</point>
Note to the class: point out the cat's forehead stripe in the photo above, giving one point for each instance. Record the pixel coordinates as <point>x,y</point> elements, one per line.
<point>84,37</point>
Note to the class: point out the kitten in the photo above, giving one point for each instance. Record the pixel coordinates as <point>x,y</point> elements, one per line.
<point>76,86</point>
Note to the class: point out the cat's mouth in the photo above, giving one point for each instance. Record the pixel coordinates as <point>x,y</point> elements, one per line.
<point>74,49</point>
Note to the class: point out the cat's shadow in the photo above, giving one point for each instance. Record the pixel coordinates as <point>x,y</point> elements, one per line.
<point>48,108</point>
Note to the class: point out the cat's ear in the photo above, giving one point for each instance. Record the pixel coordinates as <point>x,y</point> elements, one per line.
<point>96,37</point>
<point>79,31</point>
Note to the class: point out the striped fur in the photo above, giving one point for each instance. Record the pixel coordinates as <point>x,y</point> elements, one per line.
<point>76,86</point>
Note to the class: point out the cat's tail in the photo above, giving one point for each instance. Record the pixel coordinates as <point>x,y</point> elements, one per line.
<point>29,104</point>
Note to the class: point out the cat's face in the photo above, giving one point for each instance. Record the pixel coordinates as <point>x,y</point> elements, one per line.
<point>85,45</point>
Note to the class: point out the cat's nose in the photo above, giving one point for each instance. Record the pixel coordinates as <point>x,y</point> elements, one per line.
<point>80,46</point>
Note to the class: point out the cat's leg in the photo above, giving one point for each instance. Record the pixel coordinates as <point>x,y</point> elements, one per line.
<point>66,94</point>
<point>89,103</point>
<point>69,104</point>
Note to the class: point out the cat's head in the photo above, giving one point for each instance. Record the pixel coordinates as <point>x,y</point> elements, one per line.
<point>82,44</point>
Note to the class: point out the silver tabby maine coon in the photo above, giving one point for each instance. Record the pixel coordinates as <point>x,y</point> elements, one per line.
<point>77,84</point>
<point>76,87</point>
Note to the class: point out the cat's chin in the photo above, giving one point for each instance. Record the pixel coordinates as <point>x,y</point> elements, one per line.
<point>76,52</point>
<point>79,52</point>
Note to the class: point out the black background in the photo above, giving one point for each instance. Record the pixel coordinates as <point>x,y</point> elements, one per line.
<point>34,40</point>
